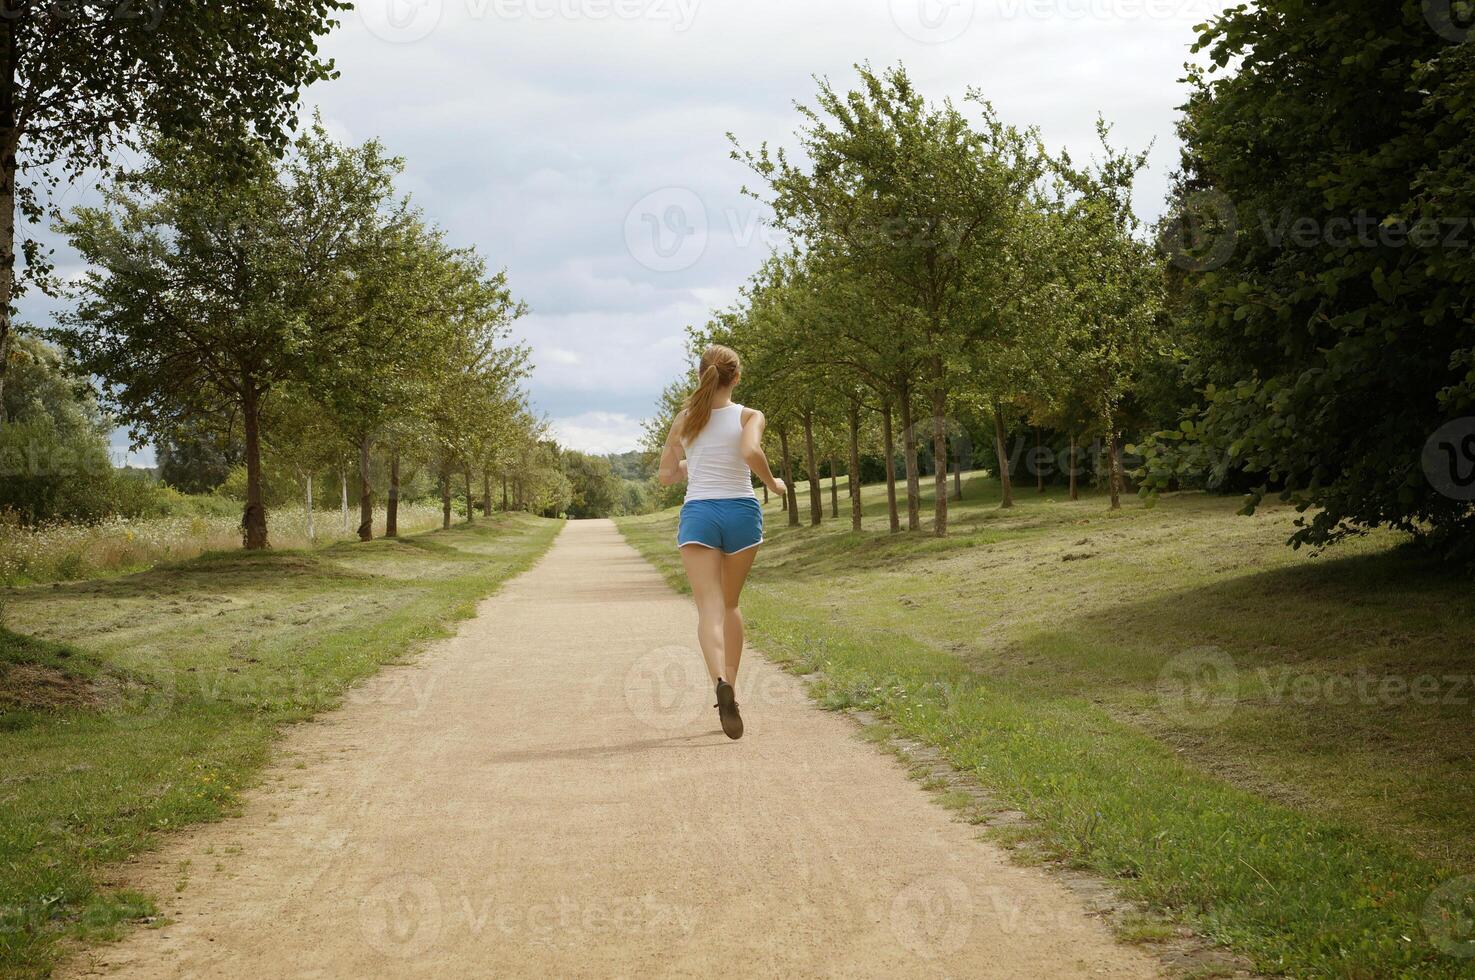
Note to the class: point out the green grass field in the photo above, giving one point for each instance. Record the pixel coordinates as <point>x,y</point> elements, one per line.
<point>1275,748</point>
<point>131,706</point>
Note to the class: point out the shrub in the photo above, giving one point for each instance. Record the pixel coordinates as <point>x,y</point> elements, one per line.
<point>48,472</point>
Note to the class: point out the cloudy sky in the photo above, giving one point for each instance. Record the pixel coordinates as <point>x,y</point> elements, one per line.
<point>582,143</point>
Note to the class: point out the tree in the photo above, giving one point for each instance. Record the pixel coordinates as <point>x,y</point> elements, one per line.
<point>475,371</point>
<point>597,492</point>
<point>1108,295</point>
<point>1335,316</point>
<point>54,460</point>
<point>762,329</point>
<point>376,332</point>
<point>202,284</point>
<point>80,77</point>
<point>874,341</point>
<point>197,459</point>
<point>912,193</point>
<point>305,442</point>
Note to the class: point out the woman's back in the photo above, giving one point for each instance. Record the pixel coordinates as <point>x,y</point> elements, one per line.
<point>715,469</point>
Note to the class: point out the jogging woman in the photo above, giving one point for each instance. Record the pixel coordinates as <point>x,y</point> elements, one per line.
<point>721,523</point>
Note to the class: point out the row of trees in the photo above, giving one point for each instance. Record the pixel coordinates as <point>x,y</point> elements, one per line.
<point>1329,308</point>
<point>291,306</point>
<point>948,276</point>
<point>298,304</point>
<point>1310,300</point>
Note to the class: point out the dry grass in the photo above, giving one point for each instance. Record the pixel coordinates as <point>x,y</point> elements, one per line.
<point>71,552</point>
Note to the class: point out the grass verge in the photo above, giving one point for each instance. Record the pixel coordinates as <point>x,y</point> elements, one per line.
<point>1272,748</point>
<point>136,705</point>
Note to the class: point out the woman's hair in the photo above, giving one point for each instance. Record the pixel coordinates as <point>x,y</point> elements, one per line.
<point>718,369</point>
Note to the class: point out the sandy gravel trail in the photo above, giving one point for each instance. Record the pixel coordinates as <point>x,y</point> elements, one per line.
<point>548,794</point>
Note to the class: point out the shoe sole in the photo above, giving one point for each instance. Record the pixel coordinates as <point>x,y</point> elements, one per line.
<point>727,710</point>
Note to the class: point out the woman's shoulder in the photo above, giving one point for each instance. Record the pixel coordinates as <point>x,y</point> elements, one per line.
<point>749,414</point>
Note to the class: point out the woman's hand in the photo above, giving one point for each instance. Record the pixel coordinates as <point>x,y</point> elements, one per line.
<point>779,487</point>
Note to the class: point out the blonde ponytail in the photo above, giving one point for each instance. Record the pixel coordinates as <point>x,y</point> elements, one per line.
<point>719,367</point>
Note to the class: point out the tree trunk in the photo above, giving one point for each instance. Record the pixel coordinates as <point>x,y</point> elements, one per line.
<point>939,449</point>
<point>504,491</point>
<point>1074,492</point>
<point>889,439</point>
<point>834,489</point>
<point>343,478</point>
<point>312,537</point>
<point>9,146</point>
<point>765,493</point>
<point>486,491</point>
<point>445,497</point>
<point>1006,482</point>
<point>816,500</point>
<point>791,497</point>
<point>366,493</point>
<point>852,474</point>
<point>1114,465</point>
<point>253,523</point>
<point>958,473</point>
<point>909,453</point>
<point>391,507</point>
<point>470,512</point>
<point>1039,463</point>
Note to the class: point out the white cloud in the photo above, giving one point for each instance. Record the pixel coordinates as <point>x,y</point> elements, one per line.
<point>532,127</point>
<point>598,432</point>
<point>558,355</point>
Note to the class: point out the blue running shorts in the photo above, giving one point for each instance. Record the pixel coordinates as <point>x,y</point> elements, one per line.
<point>728,526</point>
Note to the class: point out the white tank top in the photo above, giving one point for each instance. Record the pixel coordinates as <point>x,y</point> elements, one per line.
<point>714,459</point>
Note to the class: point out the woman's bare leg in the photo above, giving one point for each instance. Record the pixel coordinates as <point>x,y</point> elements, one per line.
<point>735,570</point>
<point>704,572</point>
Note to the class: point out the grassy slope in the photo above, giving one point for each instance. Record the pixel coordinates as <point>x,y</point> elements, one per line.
<point>152,700</point>
<point>1302,820</point>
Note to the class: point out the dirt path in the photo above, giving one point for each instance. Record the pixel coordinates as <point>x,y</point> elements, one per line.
<point>548,794</point>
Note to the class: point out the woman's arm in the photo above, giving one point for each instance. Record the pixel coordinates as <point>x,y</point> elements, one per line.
<point>754,455</point>
<point>673,467</point>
